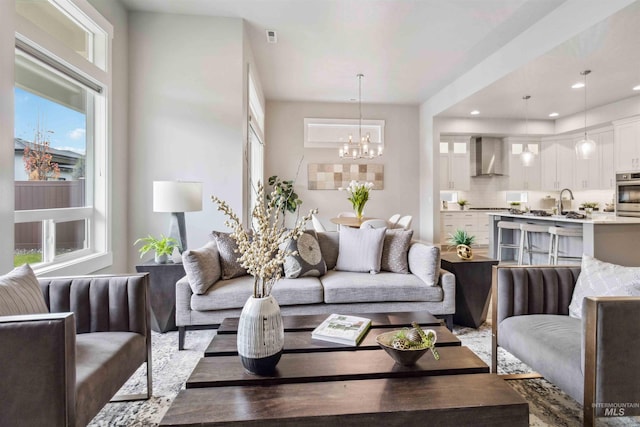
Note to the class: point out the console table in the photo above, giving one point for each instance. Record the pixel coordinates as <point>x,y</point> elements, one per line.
<point>162,292</point>
<point>473,287</point>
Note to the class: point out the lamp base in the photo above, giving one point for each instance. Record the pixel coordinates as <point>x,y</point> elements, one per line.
<point>178,231</point>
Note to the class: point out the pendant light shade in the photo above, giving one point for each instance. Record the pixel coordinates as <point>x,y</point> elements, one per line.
<point>526,156</point>
<point>585,148</point>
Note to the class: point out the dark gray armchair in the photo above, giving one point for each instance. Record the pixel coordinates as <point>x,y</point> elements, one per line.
<point>593,359</point>
<point>60,369</point>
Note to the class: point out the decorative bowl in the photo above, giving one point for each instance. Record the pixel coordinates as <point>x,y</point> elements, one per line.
<point>405,357</point>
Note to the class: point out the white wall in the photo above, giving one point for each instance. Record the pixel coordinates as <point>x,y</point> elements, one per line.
<point>6,135</point>
<point>185,117</point>
<point>285,148</point>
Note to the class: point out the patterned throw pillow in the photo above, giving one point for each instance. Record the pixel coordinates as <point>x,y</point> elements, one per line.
<point>308,262</point>
<point>202,267</point>
<point>395,251</point>
<point>228,257</point>
<point>20,293</point>
<point>360,249</point>
<point>598,278</point>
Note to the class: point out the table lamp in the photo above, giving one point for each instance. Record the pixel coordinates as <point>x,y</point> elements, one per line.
<point>177,197</point>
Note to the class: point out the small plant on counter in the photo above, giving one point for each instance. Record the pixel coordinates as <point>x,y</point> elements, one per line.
<point>514,204</point>
<point>163,247</point>
<point>591,205</point>
<point>462,203</point>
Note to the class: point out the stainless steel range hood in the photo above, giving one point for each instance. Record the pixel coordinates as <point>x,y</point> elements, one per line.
<point>487,156</point>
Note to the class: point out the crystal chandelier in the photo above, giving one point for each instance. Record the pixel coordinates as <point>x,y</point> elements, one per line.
<point>359,149</point>
<point>526,156</point>
<point>586,147</point>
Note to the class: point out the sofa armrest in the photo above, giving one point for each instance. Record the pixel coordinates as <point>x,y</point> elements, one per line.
<point>447,281</point>
<point>611,328</point>
<point>101,303</point>
<point>38,369</point>
<point>183,302</point>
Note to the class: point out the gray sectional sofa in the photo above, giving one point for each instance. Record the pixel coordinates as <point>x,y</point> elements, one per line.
<point>425,288</point>
<point>594,358</point>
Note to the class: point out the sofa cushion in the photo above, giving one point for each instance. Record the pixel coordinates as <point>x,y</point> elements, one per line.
<point>202,267</point>
<point>395,251</point>
<point>360,249</point>
<point>329,243</point>
<point>598,278</point>
<point>227,248</point>
<point>424,262</point>
<point>308,260</point>
<point>550,344</point>
<point>346,287</point>
<point>104,361</point>
<point>233,293</point>
<point>20,293</point>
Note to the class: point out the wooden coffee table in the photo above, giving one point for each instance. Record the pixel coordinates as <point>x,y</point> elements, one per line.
<point>317,383</point>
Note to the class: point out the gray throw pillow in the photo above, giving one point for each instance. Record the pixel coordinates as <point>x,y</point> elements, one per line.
<point>227,248</point>
<point>395,251</point>
<point>20,293</point>
<point>308,262</point>
<point>329,243</point>
<point>202,267</point>
<point>598,278</point>
<point>360,249</point>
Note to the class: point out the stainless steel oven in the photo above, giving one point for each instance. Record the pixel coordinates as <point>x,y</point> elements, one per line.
<point>628,194</point>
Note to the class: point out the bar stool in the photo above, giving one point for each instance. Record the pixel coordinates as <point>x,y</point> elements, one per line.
<point>554,243</point>
<point>526,230</point>
<point>508,225</point>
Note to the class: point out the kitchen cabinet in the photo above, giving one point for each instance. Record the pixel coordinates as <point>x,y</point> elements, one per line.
<point>627,144</point>
<point>586,171</point>
<point>523,177</point>
<point>455,172</point>
<point>476,223</point>
<point>596,173</point>
<point>557,162</point>
<point>607,159</point>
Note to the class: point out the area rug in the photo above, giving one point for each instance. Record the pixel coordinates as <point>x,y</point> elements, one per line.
<point>548,405</point>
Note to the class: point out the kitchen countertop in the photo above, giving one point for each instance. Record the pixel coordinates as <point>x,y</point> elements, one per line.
<point>596,219</point>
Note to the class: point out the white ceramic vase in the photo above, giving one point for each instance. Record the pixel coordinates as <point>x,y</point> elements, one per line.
<point>260,335</point>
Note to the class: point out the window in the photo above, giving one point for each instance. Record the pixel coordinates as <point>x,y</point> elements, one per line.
<point>60,137</point>
<point>255,145</point>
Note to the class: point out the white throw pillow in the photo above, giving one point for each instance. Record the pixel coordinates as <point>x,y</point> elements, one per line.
<point>20,293</point>
<point>598,278</point>
<point>360,249</point>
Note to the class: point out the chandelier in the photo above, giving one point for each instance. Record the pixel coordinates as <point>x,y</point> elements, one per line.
<point>361,148</point>
<point>586,147</point>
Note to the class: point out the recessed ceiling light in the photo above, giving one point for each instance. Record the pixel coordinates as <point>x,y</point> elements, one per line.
<point>577,85</point>
<point>554,115</point>
<point>636,87</point>
<point>474,112</point>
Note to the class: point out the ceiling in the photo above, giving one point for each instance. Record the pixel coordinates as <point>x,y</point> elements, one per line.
<point>408,50</point>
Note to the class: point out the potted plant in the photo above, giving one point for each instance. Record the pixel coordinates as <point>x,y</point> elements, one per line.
<point>462,203</point>
<point>283,196</point>
<point>590,205</point>
<point>163,247</point>
<point>462,241</point>
<point>514,204</point>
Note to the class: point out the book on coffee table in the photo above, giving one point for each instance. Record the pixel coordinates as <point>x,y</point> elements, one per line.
<point>342,329</point>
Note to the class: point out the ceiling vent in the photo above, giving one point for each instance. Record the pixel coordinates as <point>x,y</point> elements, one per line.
<point>272,37</point>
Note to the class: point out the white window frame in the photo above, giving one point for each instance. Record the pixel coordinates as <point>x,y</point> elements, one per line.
<point>97,213</point>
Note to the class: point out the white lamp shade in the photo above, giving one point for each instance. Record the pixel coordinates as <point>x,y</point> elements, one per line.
<point>177,196</point>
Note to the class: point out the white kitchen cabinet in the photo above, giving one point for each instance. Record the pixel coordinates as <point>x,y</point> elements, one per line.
<point>607,159</point>
<point>597,173</point>
<point>627,144</point>
<point>522,177</point>
<point>557,158</point>
<point>455,173</point>
<point>586,171</point>
<point>474,223</point>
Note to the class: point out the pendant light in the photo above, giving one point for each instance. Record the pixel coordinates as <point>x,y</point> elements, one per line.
<point>585,148</point>
<point>359,149</point>
<point>526,156</point>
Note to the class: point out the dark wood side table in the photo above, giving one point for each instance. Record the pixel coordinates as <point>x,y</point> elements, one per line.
<point>162,283</point>
<point>473,287</point>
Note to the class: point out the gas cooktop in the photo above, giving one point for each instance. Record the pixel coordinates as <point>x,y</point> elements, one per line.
<point>488,209</point>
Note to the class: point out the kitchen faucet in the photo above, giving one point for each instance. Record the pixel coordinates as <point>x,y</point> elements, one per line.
<point>560,200</point>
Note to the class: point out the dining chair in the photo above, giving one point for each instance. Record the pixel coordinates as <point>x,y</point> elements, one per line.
<point>405,222</point>
<point>317,225</point>
<point>374,223</point>
<point>347,214</point>
<point>393,220</point>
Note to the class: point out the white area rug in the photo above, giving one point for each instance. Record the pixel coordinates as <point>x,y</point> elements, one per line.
<point>548,406</point>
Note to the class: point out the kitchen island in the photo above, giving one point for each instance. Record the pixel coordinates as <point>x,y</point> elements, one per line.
<point>608,238</point>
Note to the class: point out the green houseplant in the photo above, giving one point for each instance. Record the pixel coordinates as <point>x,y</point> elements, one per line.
<point>162,246</point>
<point>283,196</point>
<point>462,203</point>
<point>462,242</point>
